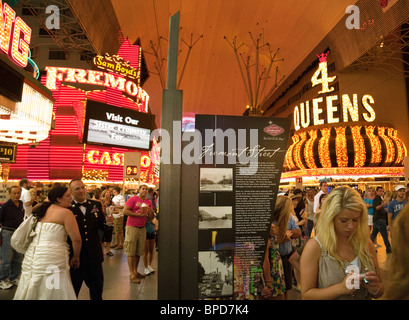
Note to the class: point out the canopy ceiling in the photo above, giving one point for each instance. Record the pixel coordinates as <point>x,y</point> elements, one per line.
<point>212,82</point>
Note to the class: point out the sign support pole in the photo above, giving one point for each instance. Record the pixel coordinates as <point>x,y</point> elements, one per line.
<point>170,178</point>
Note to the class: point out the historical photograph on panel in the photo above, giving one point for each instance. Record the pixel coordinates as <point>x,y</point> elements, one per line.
<point>215,217</point>
<point>216,179</point>
<point>215,274</point>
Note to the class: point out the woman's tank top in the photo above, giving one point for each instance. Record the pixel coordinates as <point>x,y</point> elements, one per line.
<point>330,272</point>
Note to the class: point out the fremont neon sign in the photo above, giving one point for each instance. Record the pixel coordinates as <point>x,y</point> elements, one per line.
<point>15,35</point>
<point>349,108</point>
<point>97,78</point>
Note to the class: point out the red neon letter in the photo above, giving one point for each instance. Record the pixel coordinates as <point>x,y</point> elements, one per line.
<point>6,20</point>
<point>20,47</point>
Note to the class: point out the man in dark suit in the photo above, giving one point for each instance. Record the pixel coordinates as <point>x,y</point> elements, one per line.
<point>91,223</point>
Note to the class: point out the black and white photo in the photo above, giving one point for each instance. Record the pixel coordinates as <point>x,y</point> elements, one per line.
<point>215,273</point>
<point>216,179</point>
<point>217,217</point>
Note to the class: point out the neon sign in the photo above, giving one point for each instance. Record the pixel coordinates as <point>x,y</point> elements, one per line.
<point>114,159</point>
<point>15,35</point>
<point>117,65</point>
<point>349,108</point>
<point>97,78</point>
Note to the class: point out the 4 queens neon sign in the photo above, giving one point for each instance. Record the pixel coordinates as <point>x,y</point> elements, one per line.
<point>15,35</point>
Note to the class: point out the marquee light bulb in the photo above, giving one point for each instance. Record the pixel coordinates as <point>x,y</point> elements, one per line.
<point>323,148</point>
<point>305,114</point>
<point>350,108</point>
<point>309,151</point>
<point>341,147</point>
<point>359,146</point>
<point>390,148</point>
<point>297,151</point>
<point>324,80</point>
<point>375,146</point>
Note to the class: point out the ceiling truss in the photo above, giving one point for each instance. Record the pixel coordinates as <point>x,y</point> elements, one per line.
<point>70,36</point>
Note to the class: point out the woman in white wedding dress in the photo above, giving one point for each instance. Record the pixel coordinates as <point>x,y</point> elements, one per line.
<point>46,266</point>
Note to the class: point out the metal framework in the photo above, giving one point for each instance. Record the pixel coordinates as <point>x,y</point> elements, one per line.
<point>257,80</point>
<point>70,36</point>
<point>388,49</point>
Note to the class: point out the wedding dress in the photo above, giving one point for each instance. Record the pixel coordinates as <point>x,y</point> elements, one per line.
<point>45,270</point>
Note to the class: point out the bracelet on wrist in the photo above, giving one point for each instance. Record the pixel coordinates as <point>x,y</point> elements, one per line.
<point>373,294</point>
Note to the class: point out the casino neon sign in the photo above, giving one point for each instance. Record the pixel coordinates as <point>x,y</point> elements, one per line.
<point>307,114</point>
<point>96,157</point>
<point>15,35</point>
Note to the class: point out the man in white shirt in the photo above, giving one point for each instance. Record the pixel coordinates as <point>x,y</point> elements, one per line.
<point>324,189</point>
<point>26,198</point>
<point>118,199</point>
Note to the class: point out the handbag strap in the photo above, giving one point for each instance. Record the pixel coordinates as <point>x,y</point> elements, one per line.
<point>34,225</point>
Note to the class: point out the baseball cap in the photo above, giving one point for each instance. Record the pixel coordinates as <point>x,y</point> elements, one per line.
<point>397,188</point>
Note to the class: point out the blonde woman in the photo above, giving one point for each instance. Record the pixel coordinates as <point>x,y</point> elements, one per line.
<point>341,247</point>
<point>397,280</point>
<point>273,270</point>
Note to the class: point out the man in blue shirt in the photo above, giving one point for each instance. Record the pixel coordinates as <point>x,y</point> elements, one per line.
<point>396,205</point>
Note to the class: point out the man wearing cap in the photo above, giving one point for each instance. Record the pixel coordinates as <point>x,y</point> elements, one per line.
<point>396,205</point>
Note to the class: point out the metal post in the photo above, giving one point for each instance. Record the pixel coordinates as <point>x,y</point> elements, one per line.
<point>170,179</point>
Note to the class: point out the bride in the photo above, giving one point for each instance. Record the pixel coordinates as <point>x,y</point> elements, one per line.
<point>46,267</point>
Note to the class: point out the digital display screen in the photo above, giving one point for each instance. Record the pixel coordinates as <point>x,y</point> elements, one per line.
<point>119,127</point>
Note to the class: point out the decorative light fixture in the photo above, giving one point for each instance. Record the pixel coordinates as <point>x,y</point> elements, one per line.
<point>323,148</point>
<point>346,145</point>
<point>347,139</point>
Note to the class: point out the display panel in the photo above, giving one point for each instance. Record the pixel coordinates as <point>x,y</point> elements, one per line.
<point>11,83</point>
<point>120,127</point>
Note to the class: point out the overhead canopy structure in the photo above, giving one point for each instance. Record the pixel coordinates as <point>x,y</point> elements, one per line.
<point>211,79</point>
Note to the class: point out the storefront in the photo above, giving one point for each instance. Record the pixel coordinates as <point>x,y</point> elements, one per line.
<point>69,152</point>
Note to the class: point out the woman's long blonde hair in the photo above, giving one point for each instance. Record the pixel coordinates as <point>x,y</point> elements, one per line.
<point>281,215</point>
<point>339,199</point>
<point>397,280</point>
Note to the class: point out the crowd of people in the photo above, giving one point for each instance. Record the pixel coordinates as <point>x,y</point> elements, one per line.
<point>74,232</point>
<point>323,242</point>
<point>332,237</point>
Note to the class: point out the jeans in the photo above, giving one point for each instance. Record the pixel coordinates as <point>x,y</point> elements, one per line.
<point>310,226</point>
<point>380,226</point>
<point>11,260</point>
